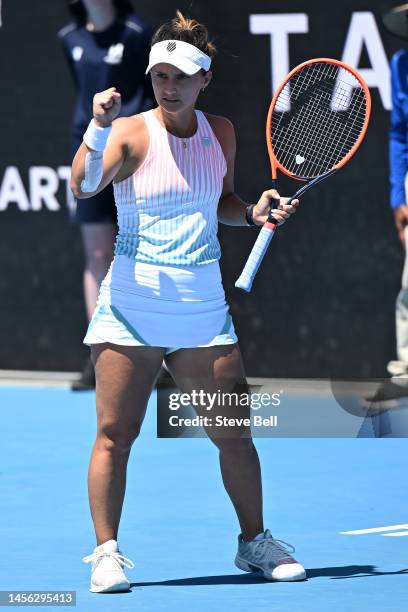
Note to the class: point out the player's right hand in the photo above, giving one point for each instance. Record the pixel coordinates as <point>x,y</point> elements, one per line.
<point>401,220</point>
<point>106,107</point>
<point>281,211</point>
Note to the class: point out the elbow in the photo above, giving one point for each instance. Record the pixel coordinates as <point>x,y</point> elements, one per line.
<point>75,190</point>
<point>79,194</point>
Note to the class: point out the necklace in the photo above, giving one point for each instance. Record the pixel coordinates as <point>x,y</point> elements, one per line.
<point>185,144</point>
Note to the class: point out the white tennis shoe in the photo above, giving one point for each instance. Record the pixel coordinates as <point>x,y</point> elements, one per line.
<point>107,568</point>
<point>270,557</point>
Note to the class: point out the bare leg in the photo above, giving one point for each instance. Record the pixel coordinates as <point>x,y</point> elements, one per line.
<point>220,367</point>
<point>241,475</point>
<point>124,379</point>
<point>98,241</point>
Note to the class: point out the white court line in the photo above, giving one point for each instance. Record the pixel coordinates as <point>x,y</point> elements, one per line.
<point>19,378</point>
<point>291,386</point>
<point>397,533</point>
<point>375,529</point>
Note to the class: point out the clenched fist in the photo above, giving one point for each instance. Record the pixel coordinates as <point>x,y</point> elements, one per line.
<point>106,107</point>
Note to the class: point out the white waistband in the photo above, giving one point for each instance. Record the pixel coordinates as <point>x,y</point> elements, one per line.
<point>175,283</point>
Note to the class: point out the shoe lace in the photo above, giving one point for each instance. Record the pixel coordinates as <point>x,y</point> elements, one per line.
<point>115,555</point>
<point>280,545</point>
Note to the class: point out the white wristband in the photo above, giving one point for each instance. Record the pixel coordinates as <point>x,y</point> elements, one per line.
<point>95,137</point>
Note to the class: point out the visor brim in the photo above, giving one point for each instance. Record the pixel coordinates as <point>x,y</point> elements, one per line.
<point>185,65</point>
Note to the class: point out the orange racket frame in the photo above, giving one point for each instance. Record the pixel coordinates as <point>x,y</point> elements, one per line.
<point>274,162</point>
<point>268,230</point>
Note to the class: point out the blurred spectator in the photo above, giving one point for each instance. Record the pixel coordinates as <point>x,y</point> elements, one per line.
<point>395,21</point>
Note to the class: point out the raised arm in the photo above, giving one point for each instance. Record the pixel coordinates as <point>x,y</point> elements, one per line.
<point>104,150</point>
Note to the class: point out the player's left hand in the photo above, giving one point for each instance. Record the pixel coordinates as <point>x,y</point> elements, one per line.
<point>281,210</point>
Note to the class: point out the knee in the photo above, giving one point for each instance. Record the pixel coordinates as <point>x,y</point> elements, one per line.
<point>235,447</point>
<point>117,440</point>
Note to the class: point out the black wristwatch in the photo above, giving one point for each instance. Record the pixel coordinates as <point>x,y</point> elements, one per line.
<point>248,215</point>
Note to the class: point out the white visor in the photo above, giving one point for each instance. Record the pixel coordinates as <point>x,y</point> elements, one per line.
<point>180,54</point>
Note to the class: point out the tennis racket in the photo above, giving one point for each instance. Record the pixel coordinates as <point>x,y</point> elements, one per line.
<point>316,121</point>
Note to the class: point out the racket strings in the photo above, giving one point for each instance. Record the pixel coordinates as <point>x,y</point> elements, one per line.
<point>327,147</point>
<point>322,102</point>
<point>342,141</point>
<point>318,117</point>
<point>327,131</point>
<point>336,147</point>
<point>302,127</point>
<point>300,122</point>
<point>339,140</point>
<point>324,128</point>
<point>329,152</point>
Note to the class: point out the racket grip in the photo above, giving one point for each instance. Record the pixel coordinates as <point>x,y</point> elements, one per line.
<point>254,260</point>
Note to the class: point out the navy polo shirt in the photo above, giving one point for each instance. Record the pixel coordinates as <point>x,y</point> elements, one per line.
<point>116,57</point>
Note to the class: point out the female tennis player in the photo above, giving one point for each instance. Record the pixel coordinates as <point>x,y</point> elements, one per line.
<point>173,176</point>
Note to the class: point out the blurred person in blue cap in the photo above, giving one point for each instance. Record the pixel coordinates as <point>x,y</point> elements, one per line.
<point>395,20</point>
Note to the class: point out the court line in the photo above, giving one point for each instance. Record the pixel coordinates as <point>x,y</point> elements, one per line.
<point>375,530</point>
<point>290,386</point>
<point>26,378</point>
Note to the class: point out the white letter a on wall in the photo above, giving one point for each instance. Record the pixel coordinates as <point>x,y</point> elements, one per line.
<point>12,190</point>
<point>363,31</point>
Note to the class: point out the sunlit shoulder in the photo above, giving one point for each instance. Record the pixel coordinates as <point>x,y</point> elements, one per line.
<point>223,128</point>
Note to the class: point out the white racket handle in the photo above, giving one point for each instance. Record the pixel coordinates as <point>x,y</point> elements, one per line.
<point>254,260</point>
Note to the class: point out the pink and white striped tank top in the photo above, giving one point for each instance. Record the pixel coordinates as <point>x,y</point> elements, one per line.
<point>167,210</point>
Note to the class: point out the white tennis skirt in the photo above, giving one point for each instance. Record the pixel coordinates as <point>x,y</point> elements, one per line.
<point>174,307</point>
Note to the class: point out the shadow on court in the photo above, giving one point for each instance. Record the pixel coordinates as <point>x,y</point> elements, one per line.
<point>204,580</point>
<point>346,571</point>
<point>369,573</point>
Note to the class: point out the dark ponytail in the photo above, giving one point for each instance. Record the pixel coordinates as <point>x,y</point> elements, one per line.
<point>187,30</point>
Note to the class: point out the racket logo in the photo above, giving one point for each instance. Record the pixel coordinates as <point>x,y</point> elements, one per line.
<point>171,47</point>
<point>299,159</point>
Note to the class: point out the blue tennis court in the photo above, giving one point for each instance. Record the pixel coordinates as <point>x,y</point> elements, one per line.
<point>178,525</point>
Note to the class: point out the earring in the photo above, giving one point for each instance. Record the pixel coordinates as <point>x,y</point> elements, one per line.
<point>203,89</point>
